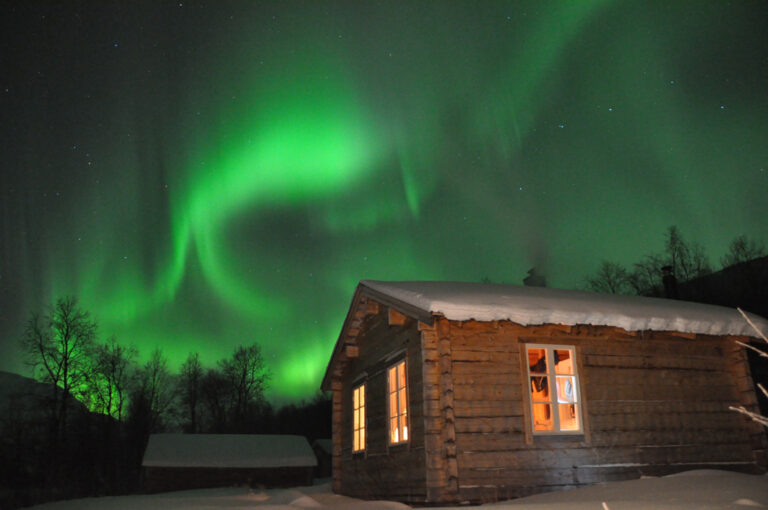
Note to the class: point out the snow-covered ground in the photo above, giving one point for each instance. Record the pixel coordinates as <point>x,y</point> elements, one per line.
<point>693,490</point>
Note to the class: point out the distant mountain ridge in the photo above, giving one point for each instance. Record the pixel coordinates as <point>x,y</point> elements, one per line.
<point>18,390</point>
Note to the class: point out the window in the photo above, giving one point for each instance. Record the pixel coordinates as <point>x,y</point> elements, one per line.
<point>553,383</point>
<point>358,420</point>
<point>398,405</point>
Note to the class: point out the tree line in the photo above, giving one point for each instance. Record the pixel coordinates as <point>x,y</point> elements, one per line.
<point>86,433</point>
<point>680,261</point>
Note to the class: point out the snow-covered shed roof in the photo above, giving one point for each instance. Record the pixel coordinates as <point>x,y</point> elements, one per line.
<point>463,301</point>
<point>228,451</point>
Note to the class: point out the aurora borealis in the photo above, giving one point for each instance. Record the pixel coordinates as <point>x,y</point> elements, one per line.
<point>202,175</point>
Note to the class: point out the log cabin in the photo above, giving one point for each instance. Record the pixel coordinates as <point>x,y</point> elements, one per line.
<point>447,392</point>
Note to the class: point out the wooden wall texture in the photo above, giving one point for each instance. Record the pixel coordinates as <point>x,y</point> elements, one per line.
<point>653,404</point>
<point>396,471</point>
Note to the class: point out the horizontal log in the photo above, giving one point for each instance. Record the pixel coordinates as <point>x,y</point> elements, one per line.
<point>486,409</point>
<point>487,392</point>
<point>650,390</point>
<point>489,425</point>
<point>484,356</point>
<point>652,361</point>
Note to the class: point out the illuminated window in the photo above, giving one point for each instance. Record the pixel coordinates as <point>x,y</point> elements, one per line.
<point>398,405</point>
<point>358,420</point>
<point>553,383</point>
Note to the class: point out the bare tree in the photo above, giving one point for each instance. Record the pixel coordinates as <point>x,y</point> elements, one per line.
<point>215,398</point>
<point>58,347</point>
<point>645,278</point>
<point>762,420</point>
<point>109,377</point>
<point>190,382</point>
<point>688,260</point>
<point>247,376</point>
<point>742,249</point>
<point>685,261</point>
<point>611,278</point>
<point>154,390</point>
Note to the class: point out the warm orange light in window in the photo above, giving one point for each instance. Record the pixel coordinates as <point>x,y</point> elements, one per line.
<point>398,403</point>
<point>358,418</point>
<point>552,382</point>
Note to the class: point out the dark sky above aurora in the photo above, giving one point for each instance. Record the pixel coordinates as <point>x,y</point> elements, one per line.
<point>203,175</point>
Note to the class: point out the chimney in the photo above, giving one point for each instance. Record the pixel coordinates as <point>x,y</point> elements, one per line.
<point>534,279</point>
<point>670,282</point>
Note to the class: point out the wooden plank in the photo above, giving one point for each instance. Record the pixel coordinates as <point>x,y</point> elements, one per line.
<point>487,393</point>
<point>489,409</point>
<point>486,425</point>
<point>447,407</point>
<point>395,318</point>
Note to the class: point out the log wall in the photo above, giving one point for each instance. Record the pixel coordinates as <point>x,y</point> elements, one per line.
<point>382,470</point>
<point>653,404</point>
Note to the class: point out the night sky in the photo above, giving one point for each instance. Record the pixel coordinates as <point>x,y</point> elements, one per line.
<point>203,175</point>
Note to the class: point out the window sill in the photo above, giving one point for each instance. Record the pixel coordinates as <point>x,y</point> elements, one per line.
<point>397,447</point>
<point>559,438</point>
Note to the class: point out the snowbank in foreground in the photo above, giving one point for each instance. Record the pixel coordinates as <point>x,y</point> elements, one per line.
<point>693,490</point>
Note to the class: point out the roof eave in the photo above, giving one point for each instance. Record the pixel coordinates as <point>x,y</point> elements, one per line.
<point>361,291</point>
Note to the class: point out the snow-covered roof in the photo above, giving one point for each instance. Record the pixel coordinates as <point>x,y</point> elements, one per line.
<point>463,301</point>
<point>228,450</point>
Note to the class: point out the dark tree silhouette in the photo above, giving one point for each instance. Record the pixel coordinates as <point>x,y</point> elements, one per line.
<point>688,260</point>
<point>742,249</point>
<point>247,378</point>
<point>681,260</point>
<point>214,395</point>
<point>611,278</point>
<point>109,378</point>
<point>190,387</point>
<point>58,346</point>
<point>154,391</point>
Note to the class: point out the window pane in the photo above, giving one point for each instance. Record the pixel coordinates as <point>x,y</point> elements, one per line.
<point>393,405</point>
<point>356,419</point>
<point>362,396</point>
<point>401,375</point>
<point>542,417</point>
<point>563,361</point>
<point>401,401</point>
<point>537,361</point>
<point>393,435</point>
<point>404,427</point>
<point>569,417</point>
<point>539,389</point>
<point>362,438</point>
<point>392,379</point>
<point>566,389</point>
<point>356,442</point>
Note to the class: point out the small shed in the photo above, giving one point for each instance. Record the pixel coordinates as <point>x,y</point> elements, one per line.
<point>194,461</point>
<point>448,392</point>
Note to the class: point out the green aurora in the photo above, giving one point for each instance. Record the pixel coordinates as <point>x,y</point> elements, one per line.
<point>205,175</point>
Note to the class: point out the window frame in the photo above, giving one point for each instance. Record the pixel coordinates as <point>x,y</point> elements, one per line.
<point>362,423</point>
<point>551,376</point>
<point>406,413</point>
